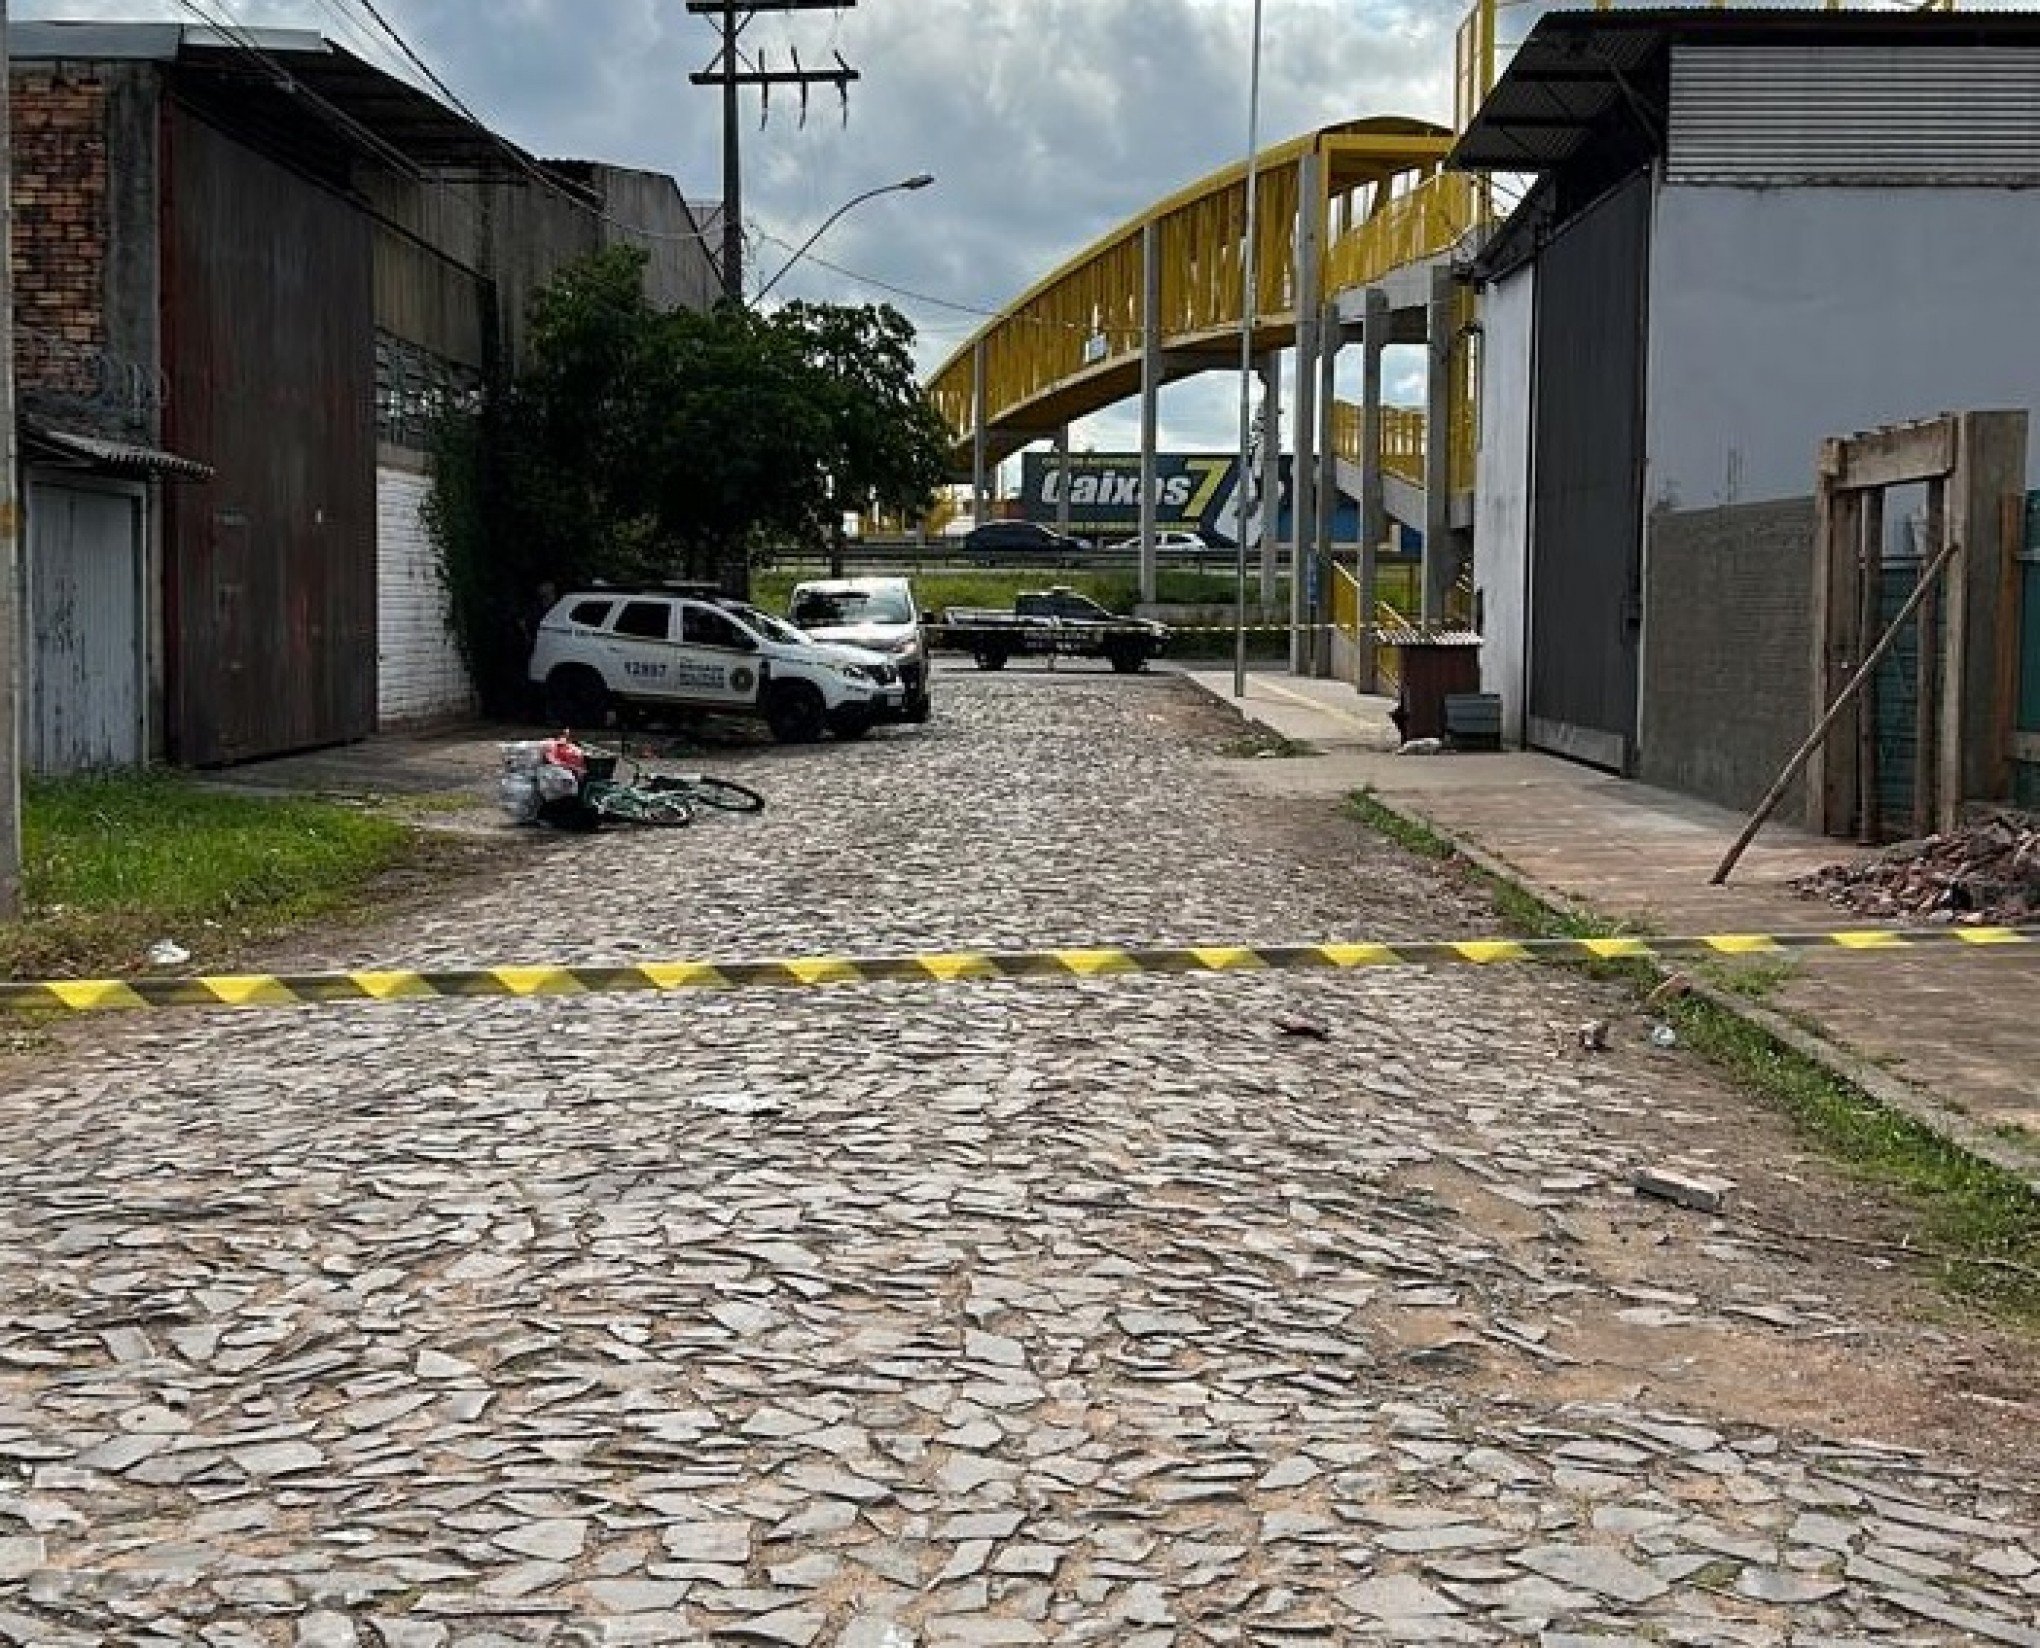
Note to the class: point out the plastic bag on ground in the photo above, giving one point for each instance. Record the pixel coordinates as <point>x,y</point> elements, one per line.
<point>524,757</point>
<point>556,783</point>
<point>519,796</point>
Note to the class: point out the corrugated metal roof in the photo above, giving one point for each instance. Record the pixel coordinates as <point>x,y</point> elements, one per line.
<point>259,67</point>
<point>1854,114</point>
<point>1576,68</point>
<point>43,441</point>
<point>82,41</point>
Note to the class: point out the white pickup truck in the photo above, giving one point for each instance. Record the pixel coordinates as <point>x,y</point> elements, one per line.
<point>604,650</point>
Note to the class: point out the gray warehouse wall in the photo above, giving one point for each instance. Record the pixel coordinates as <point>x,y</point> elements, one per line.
<point>1727,649</point>
<point>1781,316</point>
<point>684,271</point>
<point>518,233</point>
<point>1501,523</point>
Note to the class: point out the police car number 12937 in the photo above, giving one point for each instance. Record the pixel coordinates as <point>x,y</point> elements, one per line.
<point>601,650</point>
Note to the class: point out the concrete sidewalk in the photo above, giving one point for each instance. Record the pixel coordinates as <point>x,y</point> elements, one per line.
<point>1959,1030</point>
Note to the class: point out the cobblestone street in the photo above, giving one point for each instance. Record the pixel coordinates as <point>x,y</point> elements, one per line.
<point>912,1316</point>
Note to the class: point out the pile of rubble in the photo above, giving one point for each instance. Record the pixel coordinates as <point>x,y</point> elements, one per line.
<point>1987,873</point>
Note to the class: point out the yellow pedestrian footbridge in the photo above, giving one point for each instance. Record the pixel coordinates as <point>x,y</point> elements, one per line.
<point>1368,196</point>
<point>1356,226</point>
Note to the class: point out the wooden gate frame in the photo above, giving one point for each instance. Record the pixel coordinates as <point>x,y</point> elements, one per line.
<point>1974,468</point>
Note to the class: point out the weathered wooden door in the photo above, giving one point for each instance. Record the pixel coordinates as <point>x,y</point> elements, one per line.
<point>87,682</point>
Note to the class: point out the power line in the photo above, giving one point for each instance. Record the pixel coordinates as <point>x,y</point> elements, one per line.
<point>357,37</point>
<point>952,304</point>
<point>236,34</point>
<point>731,71</point>
<point>518,157</point>
<point>888,286</point>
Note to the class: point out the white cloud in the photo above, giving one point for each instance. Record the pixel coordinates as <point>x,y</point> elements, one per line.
<point>1046,122</point>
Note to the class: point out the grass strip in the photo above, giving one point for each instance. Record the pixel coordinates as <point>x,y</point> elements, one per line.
<point>112,863</point>
<point>1976,1226</point>
<point>772,589</point>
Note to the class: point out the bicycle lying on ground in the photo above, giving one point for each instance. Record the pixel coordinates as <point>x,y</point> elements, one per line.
<point>576,787</point>
<point>659,798</point>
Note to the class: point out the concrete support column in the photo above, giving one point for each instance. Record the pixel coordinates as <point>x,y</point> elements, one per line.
<point>1150,394</point>
<point>1062,480</point>
<point>1330,336</point>
<point>978,444</point>
<point>1440,562</point>
<point>1271,474</point>
<point>1306,594</point>
<point>1373,489</point>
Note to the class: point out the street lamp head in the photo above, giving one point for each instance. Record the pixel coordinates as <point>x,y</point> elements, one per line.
<point>920,180</point>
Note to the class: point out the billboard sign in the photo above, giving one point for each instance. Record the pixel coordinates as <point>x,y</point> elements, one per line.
<point>1194,492</point>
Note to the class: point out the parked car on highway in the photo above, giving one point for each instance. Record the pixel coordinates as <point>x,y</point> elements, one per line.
<point>600,651</point>
<point>1017,538</point>
<point>877,614</point>
<point>1174,541</point>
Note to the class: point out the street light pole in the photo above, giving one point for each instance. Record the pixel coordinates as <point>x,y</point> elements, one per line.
<point>1249,292</point>
<point>920,180</point>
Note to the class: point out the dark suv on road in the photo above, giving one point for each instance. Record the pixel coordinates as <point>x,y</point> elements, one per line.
<point>1017,538</point>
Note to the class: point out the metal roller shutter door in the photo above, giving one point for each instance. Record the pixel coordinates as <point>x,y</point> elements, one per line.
<point>419,673</point>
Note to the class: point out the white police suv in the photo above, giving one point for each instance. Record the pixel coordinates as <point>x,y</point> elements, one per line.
<point>605,650</point>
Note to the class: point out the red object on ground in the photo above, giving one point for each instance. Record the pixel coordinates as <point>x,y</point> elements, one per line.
<point>564,752</point>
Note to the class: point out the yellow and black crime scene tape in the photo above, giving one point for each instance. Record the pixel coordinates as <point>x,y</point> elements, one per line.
<point>949,967</point>
<point>1251,629</point>
<point>1386,634</point>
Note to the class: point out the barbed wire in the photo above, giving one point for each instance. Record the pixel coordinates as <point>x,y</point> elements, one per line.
<point>58,370</point>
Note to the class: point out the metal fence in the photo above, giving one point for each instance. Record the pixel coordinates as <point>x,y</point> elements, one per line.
<point>909,556</point>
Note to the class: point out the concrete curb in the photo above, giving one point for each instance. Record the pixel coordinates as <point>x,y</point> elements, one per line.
<point>1838,1060</point>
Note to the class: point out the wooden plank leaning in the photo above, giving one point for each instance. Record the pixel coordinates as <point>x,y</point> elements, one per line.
<point>1864,672</point>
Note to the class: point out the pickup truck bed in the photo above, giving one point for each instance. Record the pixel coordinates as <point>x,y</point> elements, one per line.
<point>1053,624</point>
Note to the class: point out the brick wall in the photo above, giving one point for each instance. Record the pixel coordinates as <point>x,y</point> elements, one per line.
<point>1727,650</point>
<point>60,229</point>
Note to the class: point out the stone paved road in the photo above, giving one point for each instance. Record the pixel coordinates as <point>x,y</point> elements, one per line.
<point>976,1314</point>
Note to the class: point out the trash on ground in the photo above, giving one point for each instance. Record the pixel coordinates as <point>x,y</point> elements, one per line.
<point>1673,988</point>
<point>1593,1036</point>
<point>1702,1195</point>
<point>1985,874</point>
<point>558,782</point>
<point>1663,1035</point>
<point>737,1104</point>
<point>1422,746</point>
<point>1292,1024</point>
<point>167,952</point>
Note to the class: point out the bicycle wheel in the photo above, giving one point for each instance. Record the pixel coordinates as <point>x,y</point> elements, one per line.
<point>725,793</point>
<point>644,807</point>
<point>667,809</point>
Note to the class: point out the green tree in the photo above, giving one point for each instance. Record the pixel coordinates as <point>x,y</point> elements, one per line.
<point>888,442</point>
<point>638,445</point>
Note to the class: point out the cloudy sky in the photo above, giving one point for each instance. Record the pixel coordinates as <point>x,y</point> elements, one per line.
<point>1045,122</point>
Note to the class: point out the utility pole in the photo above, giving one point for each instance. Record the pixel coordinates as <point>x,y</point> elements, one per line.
<point>729,72</point>
<point>10,520</point>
